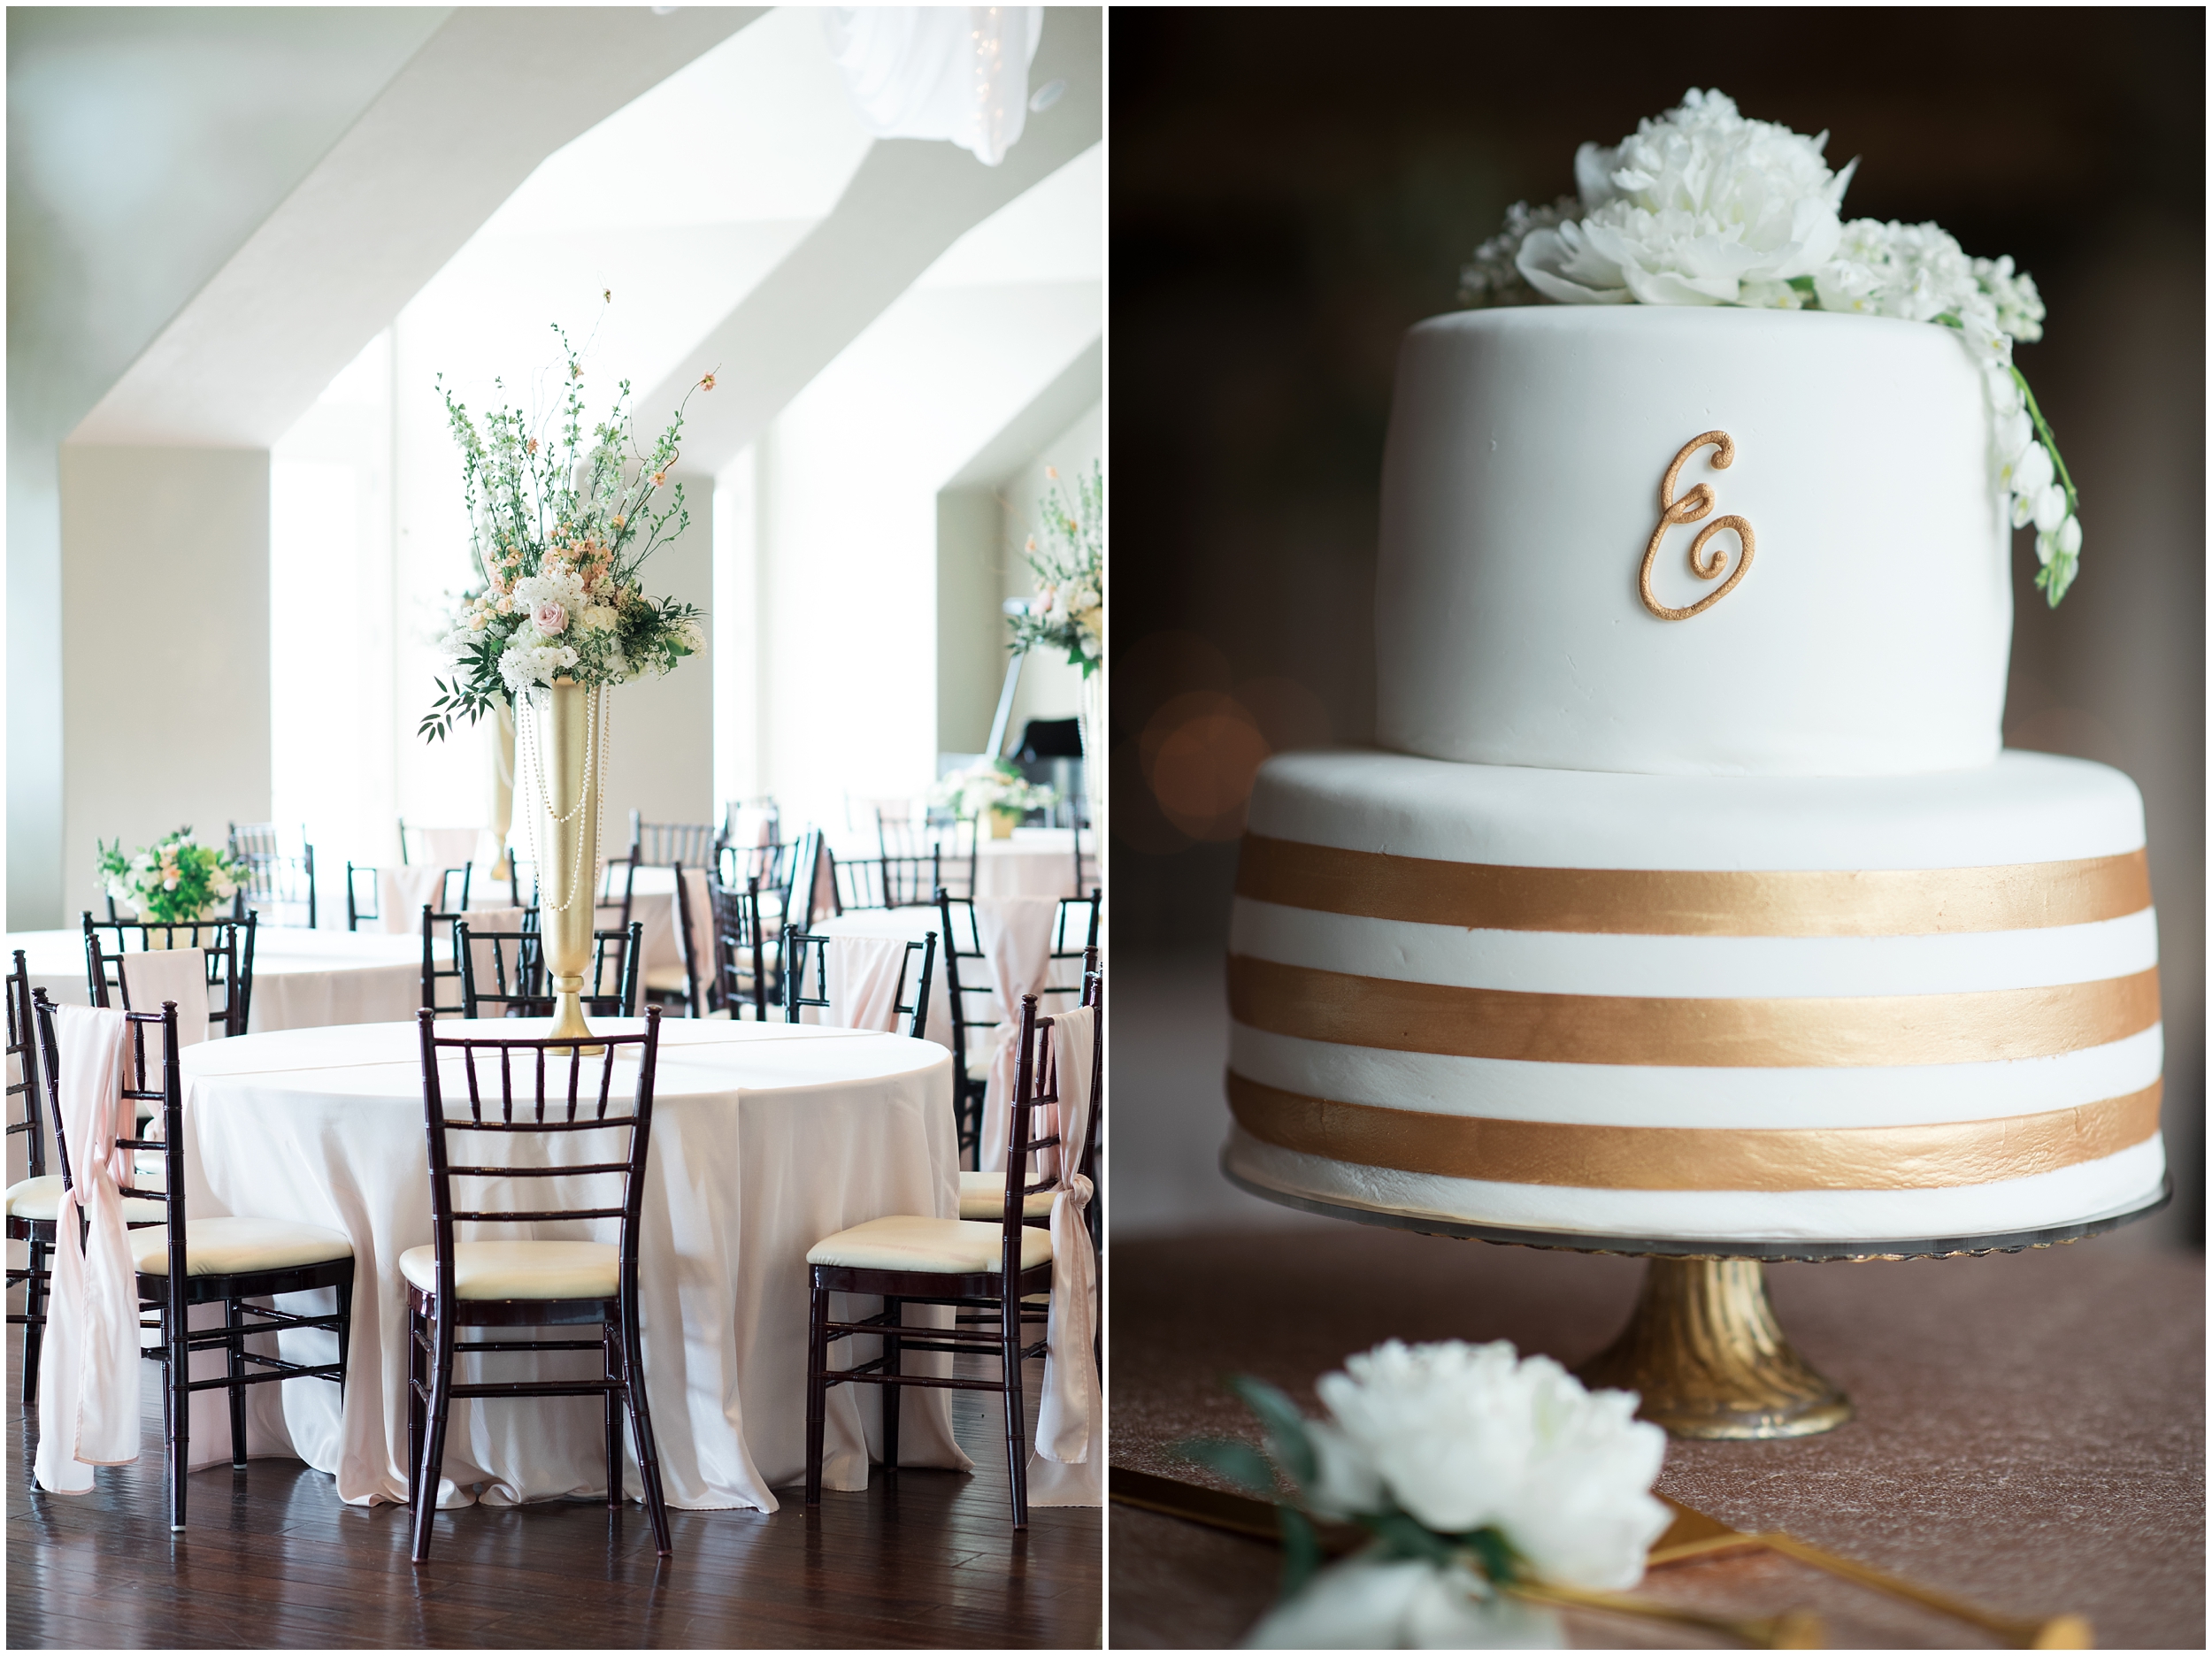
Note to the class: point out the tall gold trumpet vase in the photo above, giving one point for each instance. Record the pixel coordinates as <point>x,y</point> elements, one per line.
<point>571,735</point>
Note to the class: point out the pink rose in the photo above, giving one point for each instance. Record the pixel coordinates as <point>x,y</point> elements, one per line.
<point>550,617</point>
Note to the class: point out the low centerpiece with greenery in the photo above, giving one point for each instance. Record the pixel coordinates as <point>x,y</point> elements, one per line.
<point>992,790</point>
<point>172,880</point>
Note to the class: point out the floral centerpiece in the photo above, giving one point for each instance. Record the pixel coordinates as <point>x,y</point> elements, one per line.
<point>1490,1488</point>
<point>172,880</point>
<point>1068,612</point>
<point>560,527</point>
<point>561,523</point>
<point>992,788</point>
<point>1701,206</point>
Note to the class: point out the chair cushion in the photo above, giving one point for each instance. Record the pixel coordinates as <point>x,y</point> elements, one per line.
<point>41,1198</point>
<point>978,1065</point>
<point>520,1270</point>
<point>230,1247</point>
<point>668,980</point>
<point>983,1196</point>
<point>905,1243</point>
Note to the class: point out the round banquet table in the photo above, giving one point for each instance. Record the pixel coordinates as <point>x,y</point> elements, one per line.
<point>1031,862</point>
<point>301,979</point>
<point>765,1139</point>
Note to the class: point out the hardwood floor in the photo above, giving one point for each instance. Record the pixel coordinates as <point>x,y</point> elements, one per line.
<point>273,1559</point>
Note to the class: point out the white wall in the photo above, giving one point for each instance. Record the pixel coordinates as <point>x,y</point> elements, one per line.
<point>333,755</point>
<point>164,647</point>
<point>848,478</point>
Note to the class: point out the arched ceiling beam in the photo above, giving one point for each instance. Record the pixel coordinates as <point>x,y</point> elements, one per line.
<point>490,95</point>
<point>910,201</point>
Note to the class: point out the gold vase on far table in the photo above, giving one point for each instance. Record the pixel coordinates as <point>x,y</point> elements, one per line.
<point>570,761</point>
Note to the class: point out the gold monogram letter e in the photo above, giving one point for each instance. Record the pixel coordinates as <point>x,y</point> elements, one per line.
<point>1703,564</point>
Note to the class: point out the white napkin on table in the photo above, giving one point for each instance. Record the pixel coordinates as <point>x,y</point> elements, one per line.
<point>1063,1471</point>
<point>88,1372</point>
<point>1016,937</point>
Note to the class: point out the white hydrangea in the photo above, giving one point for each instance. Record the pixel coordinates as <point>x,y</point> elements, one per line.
<point>1701,206</point>
<point>556,583</point>
<point>1467,1438</point>
<point>1492,277</point>
<point>522,665</point>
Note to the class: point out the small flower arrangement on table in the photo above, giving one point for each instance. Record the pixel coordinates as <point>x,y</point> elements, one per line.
<point>1492,1489</point>
<point>1068,612</point>
<point>992,788</point>
<point>560,528</point>
<point>1701,206</point>
<point>174,880</point>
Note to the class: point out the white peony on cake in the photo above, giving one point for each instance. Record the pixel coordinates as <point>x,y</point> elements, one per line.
<point>1690,896</point>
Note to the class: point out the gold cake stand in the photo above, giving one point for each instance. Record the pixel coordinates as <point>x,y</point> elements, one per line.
<point>1703,1348</point>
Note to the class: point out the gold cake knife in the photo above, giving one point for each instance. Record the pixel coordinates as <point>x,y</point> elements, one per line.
<point>1692,1535</point>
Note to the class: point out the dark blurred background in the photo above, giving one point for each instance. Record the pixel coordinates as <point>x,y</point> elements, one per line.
<point>1291,189</point>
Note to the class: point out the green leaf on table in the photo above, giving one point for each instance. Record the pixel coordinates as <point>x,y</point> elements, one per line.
<point>1235,1459</point>
<point>1285,1426</point>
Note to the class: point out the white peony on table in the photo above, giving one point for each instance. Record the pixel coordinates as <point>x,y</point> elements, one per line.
<point>765,1139</point>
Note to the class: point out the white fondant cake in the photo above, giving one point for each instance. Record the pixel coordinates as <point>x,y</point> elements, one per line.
<point>1521,488</point>
<point>1730,922</point>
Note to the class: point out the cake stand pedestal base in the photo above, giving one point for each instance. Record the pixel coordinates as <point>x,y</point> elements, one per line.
<point>1704,1352</point>
<point>1703,1348</point>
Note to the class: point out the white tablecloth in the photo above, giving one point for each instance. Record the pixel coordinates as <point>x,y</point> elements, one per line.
<point>1032,863</point>
<point>766,1137</point>
<point>301,979</point>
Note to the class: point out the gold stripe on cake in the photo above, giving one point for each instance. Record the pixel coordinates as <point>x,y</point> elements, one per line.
<point>1730,1031</point>
<point>1668,902</point>
<point>1694,1158</point>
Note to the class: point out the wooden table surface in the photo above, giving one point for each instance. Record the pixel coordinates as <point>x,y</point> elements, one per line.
<point>2030,1435</point>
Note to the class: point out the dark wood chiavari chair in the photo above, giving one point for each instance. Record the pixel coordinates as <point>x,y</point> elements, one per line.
<point>32,1201</point>
<point>1004,1268</point>
<point>741,976</point>
<point>800,948</point>
<point>503,972</point>
<point>684,986</point>
<point>515,1287</point>
<point>888,881</point>
<point>743,819</point>
<point>618,885</point>
<point>449,1002</point>
<point>658,845</point>
<point>363,902</point>
<point>970,1004</point>
<point>183,1262</point>
<point>281,885</point>
<point>227,945</point>
<point>982,1193</point>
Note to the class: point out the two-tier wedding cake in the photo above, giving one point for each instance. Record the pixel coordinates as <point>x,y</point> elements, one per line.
<point>1689,893</point>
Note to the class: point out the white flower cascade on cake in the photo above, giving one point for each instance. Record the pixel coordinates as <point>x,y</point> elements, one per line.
<point>1476,1472</point>
<point>1702,206</point>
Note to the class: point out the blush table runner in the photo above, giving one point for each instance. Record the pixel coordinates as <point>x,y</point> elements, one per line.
<point>765,1139</point>
<point>2030,1435</point>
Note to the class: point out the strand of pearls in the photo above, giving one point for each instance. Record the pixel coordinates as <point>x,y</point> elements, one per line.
<point>527,733</point>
